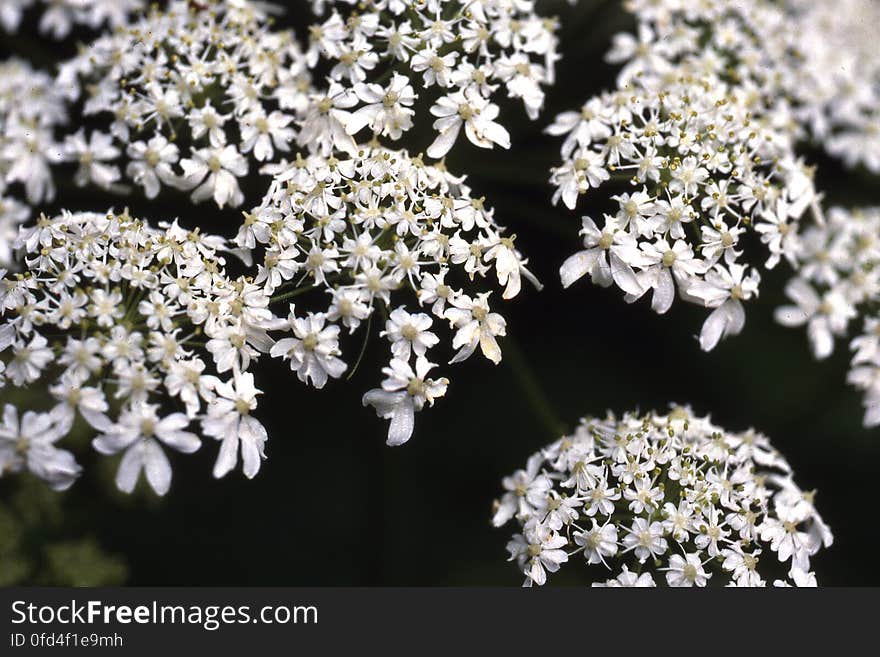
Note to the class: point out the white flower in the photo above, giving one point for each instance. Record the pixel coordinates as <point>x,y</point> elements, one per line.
<point>409,333</point>
<point>464,55</point>
<point>28,360</point>
<point>313,353</point>
<point>140,433</point>
<point>628,579</point>
<point>598,542</point>
<point>186,380</point>
<point>387,111</point>
<point>386,231</point>
<point>777,233</point>
<point>185,83</point>
<point>525,488</point>
<point>470,110</point>
<point>476,325</point>
<point>214,172</point>
<point>608,258</point>
<point>724,289</point>
<point>73,396</point>
<point>715,154</point>
<point>662,261</point>
<point>743,566</point>
<point>435,69</point>
<point>30,443</point>
<point>206,120</point>
<point>435,291</point>
<point>404,392</point>
<point>349,306</point>
<point>509,267</point>
<point>229,419</point>
<point>326,122</point>
<point>92,154</point>
<point>261,132</point>
<point>586,169</point>
<point>645,539</point>
<point>152,163</point>
<point>540,551</point>
<point>825,317</point>
<point>59,17</point>
<point>686,571</point>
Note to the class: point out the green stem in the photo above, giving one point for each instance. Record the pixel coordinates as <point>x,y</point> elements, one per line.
<point>292,294</point>
<point>532,389</point>
<point>363,348</point>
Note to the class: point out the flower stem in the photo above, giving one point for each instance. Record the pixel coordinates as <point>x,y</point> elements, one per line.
<point>532,389</point>
<point>293,293</point>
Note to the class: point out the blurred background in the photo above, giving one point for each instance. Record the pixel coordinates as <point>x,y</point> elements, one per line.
<point>334,506</point>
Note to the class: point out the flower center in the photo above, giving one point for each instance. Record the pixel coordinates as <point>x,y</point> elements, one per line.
<point>416,387</point>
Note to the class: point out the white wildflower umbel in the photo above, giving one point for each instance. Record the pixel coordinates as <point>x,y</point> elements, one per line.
<point>837,282</point>
<point>461,56</point>
<point>836,79</point>
<point>652,499</point>
<point>32,110</point>
<point>57,19</point>
<point>382,247</point>
<point>191,94</point>
<point>696,128</point>
<point>141,319</point>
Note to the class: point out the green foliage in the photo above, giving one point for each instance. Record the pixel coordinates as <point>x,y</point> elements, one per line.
<point>36,545</point>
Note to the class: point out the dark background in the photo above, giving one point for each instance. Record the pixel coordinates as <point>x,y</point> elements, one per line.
<point>334,506</point>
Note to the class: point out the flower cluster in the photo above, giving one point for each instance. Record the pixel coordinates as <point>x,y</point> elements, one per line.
<point>837,279</point>
<point>192,94</point>
<point>460,52</point>
<point>31,109</point>
<point>835,77</point>
<point>816,59</point>
<point>361,233</point>
<point>139,332</point>
<point>647,499</point>
<point>58,17</point>
<point>698,129</point>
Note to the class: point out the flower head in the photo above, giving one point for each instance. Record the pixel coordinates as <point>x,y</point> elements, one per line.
<point>380,232</point>
<point>697,126</point>
<point>190,95</point>
<point>661,498</point>
<point>460,55</point>
<point>136,314</point>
